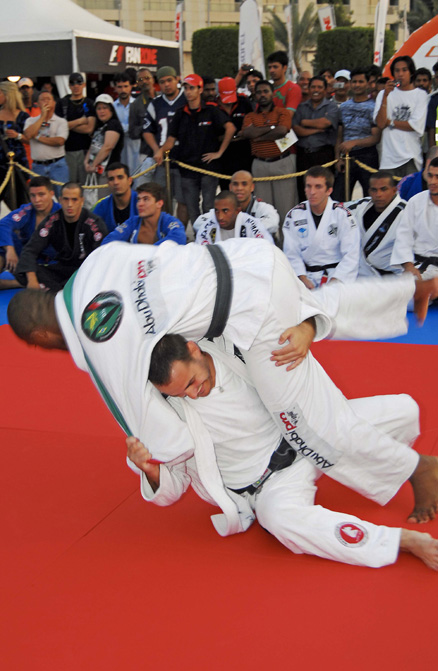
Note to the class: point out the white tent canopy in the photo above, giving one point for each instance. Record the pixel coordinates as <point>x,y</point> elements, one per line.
<point>50,37</point>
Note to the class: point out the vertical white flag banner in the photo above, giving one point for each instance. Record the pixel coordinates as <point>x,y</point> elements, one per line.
<point>179,37</point>
<point>327,18</point>
<point>292,72</point>
<point>379,31</point>
<point>250,36</point>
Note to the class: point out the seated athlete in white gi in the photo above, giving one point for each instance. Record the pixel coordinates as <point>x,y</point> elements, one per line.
<point>321,238</point>
<point>378,217</point>
<point>275,482</point>
<point>416,242</point>
<point>117,307</point>
<point>226,220</point>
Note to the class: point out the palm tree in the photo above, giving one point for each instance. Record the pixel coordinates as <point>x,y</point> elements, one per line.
<point>423,11</point>
<point>304,31</point>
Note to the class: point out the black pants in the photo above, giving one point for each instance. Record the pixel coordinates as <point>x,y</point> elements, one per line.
<point>370,157</point>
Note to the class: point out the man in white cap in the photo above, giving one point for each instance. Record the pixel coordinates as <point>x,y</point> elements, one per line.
<point>341,86</point>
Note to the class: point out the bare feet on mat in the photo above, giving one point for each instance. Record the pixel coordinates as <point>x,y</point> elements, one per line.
<point>424,481</point>
<point>425,290</point>
<point>421,545</point>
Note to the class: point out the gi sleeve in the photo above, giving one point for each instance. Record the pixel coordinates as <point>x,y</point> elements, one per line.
<point>348,268</point>
<point>403,251</point>
<point>291,245</point>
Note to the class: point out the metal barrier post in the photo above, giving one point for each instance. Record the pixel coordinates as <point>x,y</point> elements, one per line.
<point>13,189</point>
<point>347,176</point>
<point>168,183</point>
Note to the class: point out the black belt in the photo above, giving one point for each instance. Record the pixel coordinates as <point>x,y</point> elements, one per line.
<point>224,293</point>
<point>316,269</point>
<point>275,158</point>
<point>283,457</point>
<point>51,160</point>
<point>425,261</point>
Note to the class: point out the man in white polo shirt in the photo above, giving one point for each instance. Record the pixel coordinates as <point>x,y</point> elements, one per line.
<point>47,134</point>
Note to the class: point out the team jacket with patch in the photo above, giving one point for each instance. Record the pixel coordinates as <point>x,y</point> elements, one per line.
<point>17,227</point>
<point>105,209</point>
<point>246,226</point>
<point>378,241</point>
<point>168,228</point>
<point>88,234</point>
<point>335,241</point>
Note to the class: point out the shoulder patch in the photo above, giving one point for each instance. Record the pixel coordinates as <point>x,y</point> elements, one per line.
<point>300,206</point>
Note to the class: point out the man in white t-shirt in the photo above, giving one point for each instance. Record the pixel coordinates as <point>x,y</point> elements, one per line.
<point>226,220</point>
<point>400,112</point>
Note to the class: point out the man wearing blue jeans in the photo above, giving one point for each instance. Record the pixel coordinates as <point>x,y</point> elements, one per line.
<point>47,134</point>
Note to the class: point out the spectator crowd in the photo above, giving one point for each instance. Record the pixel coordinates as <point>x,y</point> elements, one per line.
<point>235,147</point>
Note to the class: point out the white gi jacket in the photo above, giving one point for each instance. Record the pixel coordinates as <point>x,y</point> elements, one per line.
<point>417,232</point>
<point>378,241</point>
<point>152,290</point>
<point>336,240</point>
<point>265,212</point>
<point>209,231</point>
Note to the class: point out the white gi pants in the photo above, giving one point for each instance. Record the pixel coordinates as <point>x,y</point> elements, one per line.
<point>312,413</point>
<point>285,504</point>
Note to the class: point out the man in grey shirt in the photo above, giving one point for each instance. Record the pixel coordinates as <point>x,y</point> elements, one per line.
<point>316,124</point>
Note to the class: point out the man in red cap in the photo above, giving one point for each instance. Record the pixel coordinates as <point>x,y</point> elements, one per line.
<point>238,154</point>
<point>198,127</point>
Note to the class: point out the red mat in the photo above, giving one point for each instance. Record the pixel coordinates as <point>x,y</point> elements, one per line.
<point>92,578</point>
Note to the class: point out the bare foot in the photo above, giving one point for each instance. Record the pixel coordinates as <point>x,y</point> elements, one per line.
<point>424,481</point>
<point>425,290</point>
<point>421,545</point>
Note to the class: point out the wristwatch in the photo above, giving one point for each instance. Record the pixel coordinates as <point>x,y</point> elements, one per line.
<point>391,124</point>
<point>19,136</point>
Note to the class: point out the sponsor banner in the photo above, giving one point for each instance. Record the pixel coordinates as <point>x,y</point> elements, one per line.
<point>105,56</point>
<point>327,18</point>
<point>250,36</point>
<point>422,46</point>
<point>379,31</point>
<point>305,440</point>
<point>179,33</point>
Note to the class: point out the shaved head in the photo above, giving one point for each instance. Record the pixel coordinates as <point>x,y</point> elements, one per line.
<point>242,185</point>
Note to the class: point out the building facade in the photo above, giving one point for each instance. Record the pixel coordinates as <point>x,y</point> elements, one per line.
<point>157,17</point>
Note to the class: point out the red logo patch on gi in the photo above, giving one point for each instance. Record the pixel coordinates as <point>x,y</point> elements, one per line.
<point>97,236</point>
<point>351,534</point>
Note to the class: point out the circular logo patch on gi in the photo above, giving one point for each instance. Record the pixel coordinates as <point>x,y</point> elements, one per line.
<point>351,534</point>
<point>101,318</point>
<point>44,233</point>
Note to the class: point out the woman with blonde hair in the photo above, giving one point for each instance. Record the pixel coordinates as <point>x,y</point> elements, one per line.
<point>12,118</point>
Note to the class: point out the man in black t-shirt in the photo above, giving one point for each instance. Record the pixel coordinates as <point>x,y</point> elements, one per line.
<point>81,118</point>
<point>198,127</point>
<point>73,232</point>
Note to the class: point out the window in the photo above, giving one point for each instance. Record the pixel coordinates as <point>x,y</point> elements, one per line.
<point>165,30</point>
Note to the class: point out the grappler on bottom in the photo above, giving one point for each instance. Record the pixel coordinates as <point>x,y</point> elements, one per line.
<point>255,463</point>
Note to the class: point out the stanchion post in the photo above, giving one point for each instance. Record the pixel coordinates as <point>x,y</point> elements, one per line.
<point>347,176</point>
<point>168,183</point>
<point>13,189</point>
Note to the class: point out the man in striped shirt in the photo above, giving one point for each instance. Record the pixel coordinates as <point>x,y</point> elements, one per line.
<point>264,128</point>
